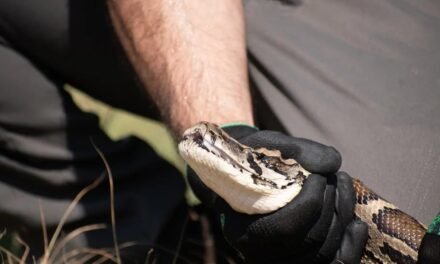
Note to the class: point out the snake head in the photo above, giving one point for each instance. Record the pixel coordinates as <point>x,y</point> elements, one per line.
<point>214,141</point>
<point>201,132</point>
<point>251,181</point>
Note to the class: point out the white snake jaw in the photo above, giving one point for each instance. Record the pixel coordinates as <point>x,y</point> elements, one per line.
<point>235,171</point>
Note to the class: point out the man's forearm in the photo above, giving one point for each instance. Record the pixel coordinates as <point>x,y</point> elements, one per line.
<point>190,56</point>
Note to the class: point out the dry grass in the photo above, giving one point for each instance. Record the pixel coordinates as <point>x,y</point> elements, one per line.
<point>54,248</point>
<point>116,124</point>
<point>112,202</point>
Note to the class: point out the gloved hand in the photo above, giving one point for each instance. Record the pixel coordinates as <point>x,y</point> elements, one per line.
<point>429,252</point>
<point>315,227</point>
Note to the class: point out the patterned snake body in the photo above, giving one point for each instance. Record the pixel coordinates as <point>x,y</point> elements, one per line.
<point>259,181</point>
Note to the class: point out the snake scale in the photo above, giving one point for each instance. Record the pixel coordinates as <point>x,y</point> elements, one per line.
<point>258,181</point>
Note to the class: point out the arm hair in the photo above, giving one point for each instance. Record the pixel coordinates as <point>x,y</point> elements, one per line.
<point>190,55</point>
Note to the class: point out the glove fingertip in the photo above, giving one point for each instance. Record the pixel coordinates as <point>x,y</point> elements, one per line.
<point>353,243</point>
<point>312,194</point>
<point>344,177</point>
<point>314,184</point>
<point>307,205</point>
<point>336,159</point>
<point>318,158</point>
<point>359,228</point>
<point>345,197</point>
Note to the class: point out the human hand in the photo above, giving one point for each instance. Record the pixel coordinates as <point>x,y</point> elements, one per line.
<point>312,228</point>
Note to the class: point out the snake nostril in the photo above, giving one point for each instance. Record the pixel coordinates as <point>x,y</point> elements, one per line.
<point>196,137</point>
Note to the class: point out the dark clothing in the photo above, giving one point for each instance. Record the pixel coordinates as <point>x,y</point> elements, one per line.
<point>46,153</point>
<point>362,76</point>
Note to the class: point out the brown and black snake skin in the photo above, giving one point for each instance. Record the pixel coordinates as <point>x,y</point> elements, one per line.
<point>394,236</point>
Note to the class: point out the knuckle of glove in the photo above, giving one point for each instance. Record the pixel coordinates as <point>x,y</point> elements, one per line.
<point>312,190</point>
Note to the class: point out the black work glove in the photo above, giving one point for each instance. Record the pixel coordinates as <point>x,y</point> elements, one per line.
<point>315,227</point>
<point>429,251</point>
